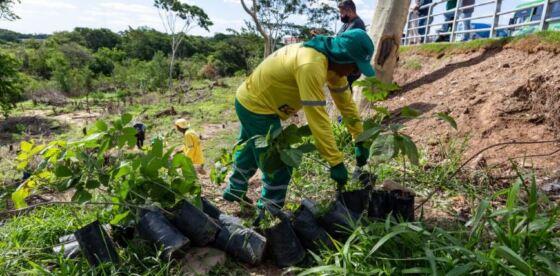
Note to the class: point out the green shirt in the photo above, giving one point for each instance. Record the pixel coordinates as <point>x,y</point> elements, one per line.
<point>451,4</point>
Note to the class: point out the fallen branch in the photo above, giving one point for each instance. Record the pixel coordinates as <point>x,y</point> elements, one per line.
<point>479,153</point>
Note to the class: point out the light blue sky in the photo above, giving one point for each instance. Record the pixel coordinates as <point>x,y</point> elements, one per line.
<point>47,16</point>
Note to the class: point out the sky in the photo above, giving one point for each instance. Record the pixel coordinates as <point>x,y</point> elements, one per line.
<point>48,16</point>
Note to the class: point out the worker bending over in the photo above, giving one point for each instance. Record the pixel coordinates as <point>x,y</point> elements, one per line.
<point>290,79</point>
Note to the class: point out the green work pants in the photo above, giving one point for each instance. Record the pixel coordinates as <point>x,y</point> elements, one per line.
<point>247,161</point>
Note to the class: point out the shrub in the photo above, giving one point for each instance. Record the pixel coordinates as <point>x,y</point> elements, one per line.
<point>209,71</point>
<point>11,87</point>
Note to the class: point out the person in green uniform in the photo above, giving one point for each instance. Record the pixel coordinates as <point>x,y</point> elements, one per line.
<point>291,79</point>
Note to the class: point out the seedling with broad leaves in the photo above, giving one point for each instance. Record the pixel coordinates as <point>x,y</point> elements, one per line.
<point>104,163</point>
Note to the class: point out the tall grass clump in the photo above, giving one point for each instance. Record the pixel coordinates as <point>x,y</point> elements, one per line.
<point>514,232</point>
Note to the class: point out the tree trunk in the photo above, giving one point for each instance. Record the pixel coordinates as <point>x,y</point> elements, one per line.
<point>253,13</point>
<point>386,31</point>
<point>267,47</point>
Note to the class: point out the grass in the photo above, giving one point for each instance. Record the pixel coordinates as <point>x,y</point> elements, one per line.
<point>519,238</point>
<point>546,40</point>
<point>446,48</point>
<point>413,64</point>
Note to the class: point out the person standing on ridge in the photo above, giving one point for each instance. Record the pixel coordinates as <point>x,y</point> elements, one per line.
<point>351,21</point>
<point>290,79</point>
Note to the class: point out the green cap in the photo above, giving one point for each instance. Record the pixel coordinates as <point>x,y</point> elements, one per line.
<point>359,47</point>
<point>353,46</point>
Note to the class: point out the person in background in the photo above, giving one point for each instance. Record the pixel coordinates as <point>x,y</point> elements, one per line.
<point>466,24</point>
<point>140,134</point>
<point>351,21</point>
<point>291,79</point>
<point>422,12</point>
<point>450,16</point>
<point>192,146</point>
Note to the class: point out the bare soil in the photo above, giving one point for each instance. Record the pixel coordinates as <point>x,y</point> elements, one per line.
<point>495,95</point>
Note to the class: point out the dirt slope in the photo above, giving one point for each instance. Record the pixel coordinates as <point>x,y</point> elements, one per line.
<point>495,95</point>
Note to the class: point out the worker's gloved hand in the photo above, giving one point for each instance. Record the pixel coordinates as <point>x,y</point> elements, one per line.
<point>362,154</point>
<point>340,175</point>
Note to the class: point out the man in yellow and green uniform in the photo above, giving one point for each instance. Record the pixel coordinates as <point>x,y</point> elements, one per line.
<point>290,79</point>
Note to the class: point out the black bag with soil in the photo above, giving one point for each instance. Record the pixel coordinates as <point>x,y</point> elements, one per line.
<point>402,205</point>
<point>195,224</point>
<point>96,245</point>
<point>211,210</point>
<point>122,234</point>
<point>155,227</point>
<point>311,235</point>
<point>241,243</point>
<point>397,202</point>
<point>356,201</point>
<point>338,220</point>
<point>283,243</point>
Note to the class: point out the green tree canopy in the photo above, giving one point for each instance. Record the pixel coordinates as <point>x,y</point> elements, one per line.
<point>10,84</point>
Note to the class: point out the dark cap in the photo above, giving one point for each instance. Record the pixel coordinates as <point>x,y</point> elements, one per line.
<point>347,4</point>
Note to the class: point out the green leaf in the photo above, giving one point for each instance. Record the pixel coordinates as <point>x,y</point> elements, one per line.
<point>385,239</point>
<point>370,133</point>
<point>304,131</point>
<point>119,217</point>
<point>307,148</point>
<point>323,270</point>
<point>290,135</point>
<point>157,148</point>
<point>383,147</point>
<point>480,211</point>
<point>124,169</point>
<point>409,112</point>
<point>62,171</point>
<point>181,186</point>
<point>409,149</point>
<point>271,161</point>
<point>416,270</point>
<point>513,258</point>
<point>513,196</point>
<point>126,118</point>
<point>26,146</point>
<point>432,260</point>
<point>382,110</point>
<point>261,142</point>
<point>92,184</point>
<point>19,196</point>
<point>291,157</point>
<point>129,131</point>
<point>447,118</point>
<point>81,196</point>
<point>460,270</point>
<point>101,125</point>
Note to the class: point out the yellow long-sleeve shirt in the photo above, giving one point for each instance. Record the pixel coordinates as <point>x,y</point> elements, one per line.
<point>193,147</point>
<point>293,78</point>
